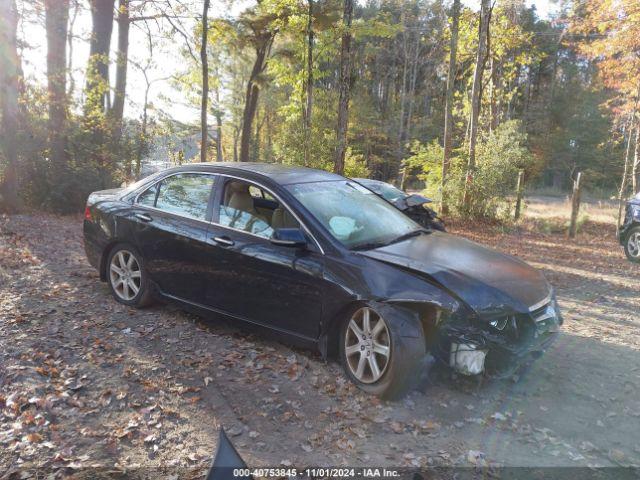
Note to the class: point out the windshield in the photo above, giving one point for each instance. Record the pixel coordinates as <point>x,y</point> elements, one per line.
<point>386,190</point>
<point>389,192</point>
<point>354,215</point>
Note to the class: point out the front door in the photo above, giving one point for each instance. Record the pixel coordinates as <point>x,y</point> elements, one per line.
<point>249,277</point>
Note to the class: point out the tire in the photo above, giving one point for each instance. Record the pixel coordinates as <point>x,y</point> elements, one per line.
<point>123,285</point>
<point>401,370</point>
<point>633,254</point>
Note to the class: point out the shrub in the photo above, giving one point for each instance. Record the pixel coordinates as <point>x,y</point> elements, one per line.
<point>499,158</point>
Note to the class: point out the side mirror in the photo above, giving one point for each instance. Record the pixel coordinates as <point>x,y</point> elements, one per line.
<point>415,200</point>
<point>289,237</point>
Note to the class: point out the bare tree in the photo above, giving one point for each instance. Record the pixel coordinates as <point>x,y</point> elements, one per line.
<point>345,88</point>
<point>10,77</point>
<point>122,63</point>
<point>204,132</point>
<point>97,88</point>
<point>309,83</point>
<point>218,114</point>
<point>635,173</point>
<point>263,40</point>
<point>75,4</point>
<point>448,116</point>
<point>476,92</point>
<point>627,161</point>
<point>56,18</point>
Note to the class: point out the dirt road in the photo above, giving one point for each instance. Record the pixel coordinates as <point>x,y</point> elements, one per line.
<point>86,382</point>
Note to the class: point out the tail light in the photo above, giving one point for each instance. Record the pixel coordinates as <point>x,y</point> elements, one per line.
<point>87,213</point>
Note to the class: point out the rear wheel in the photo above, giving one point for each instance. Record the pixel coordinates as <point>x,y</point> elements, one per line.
<point>127,278</point>
<point>376,357</point>
<point>632,245</point>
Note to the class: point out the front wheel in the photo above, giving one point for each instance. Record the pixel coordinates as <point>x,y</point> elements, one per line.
<point>376,357</point>
<point>127,278</point>
<point>632,245</point>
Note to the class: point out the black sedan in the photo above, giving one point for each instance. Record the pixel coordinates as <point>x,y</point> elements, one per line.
<point>412,205</point>
<point>629,233</point>
<point>323,262</point>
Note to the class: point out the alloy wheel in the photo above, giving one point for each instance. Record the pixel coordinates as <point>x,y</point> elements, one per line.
<point>367,345</point>
<point>125,275</point>
<point>633,244</point>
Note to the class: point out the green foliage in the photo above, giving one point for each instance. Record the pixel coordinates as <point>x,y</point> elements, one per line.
<point>355,165</point>
<point>500,156</point>
<point>426,163</point>
<point>542,104</point>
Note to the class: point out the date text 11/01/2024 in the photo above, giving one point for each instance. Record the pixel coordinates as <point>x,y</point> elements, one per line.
<point>316,472</point>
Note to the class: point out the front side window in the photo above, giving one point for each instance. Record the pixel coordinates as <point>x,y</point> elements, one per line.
<point>354,215</point>
<point>185,194</point>
<point>250,209</point>
<point>148,197</point>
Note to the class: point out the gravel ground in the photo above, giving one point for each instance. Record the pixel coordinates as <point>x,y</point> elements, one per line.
<point>87,383</point>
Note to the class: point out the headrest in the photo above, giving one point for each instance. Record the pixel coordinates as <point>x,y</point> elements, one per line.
<point>241,201</point>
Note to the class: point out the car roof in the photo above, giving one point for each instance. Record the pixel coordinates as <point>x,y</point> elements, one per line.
<point>281,174</point>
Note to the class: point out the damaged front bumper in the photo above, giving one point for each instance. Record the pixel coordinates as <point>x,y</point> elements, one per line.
<point>499,347</point>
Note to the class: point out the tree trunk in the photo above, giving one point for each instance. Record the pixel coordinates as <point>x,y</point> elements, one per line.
<point>56,17</point>
<point>309,84</point>
<point>635,174</point>
<point>219,154</point>
<point>403,99</point>
<point>476,93</point>
<point>269,156</point>
<point>493,104</point>
<point>70,77</point>
<point>121,66</point>
<point>448,116</point>
<point>627,161</point>
<point>236,134</point>
<point>204,133</point>
<point>143,133</point>
<point>345,88</point>
<point>10,78</point>
<point>412,88</point>
<point>97,89</point>
<point>251,100</point>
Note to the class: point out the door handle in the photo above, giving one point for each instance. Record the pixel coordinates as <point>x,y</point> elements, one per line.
<point>144,217</point>
<point>226,241</point>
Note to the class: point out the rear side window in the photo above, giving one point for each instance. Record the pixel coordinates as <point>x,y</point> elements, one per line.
<point>184,194</point>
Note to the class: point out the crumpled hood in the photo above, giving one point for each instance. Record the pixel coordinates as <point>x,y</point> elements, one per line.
<point>489,282</point>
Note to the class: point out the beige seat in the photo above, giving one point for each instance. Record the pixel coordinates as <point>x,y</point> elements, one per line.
<point>283,219</point>
<point>238,198</point>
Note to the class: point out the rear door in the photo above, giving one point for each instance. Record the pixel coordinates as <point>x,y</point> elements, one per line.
<point>171,220</point>
<point>252,279</point>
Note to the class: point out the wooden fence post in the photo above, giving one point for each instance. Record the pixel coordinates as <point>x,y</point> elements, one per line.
<point>519,192</point>
<point>575,206</point>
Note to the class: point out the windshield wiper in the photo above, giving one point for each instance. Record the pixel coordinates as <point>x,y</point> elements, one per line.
<point>368,245</point>
<point>400,238</point>
<point>405,236</point>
